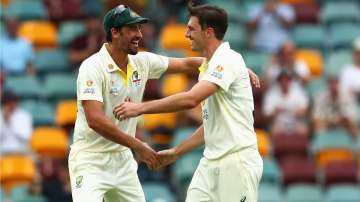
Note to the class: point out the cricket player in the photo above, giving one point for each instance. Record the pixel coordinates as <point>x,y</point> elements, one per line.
<point>101,164</point>
<point>231,168</point>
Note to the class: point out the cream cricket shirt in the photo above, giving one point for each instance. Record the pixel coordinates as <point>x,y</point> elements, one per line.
<point>102,80</point>
<point>227,114</point>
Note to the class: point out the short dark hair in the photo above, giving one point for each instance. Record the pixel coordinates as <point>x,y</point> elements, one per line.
<point>210,16</point>
<point>108,35</point>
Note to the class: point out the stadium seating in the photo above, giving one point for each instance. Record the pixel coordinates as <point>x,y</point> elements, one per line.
<point>2,27</point>
<point>232,8</point>
<point>298,170</point>
<point>66,112</point>
<point>24,86</point>
<point>157,192</point>
<point>236,36</point>
<point>42,34</point>
<point>169,37</point>
<point>60,86</point>
<point>290,145</point>
<point>314,87</point>
<point>294,2</point>
<point>256,61</point>
<point>92,7</point>
<point>304,193</point>
<point>151,121</point>
<point>334,12</point>
<point>343,193</point>
<point>21,193</point>
<point>42,112</point>
<point>50,142</point>
<point>68,31</point>
<point>264,144</point>
<point>306,12</point>
<point>333,145</point>
<point>184,169</point>
<point>309,36</point>
<point>51,61</point>
<point>27,10</point>
<point>335,61</point>
<point>313,59</point>
<point>16,169</point>
<point>64,10</point>
<point>271,172</point>
<point>342,35</point>
<point>269,193</point>
<point>340,172</point>
<point>174,83</point>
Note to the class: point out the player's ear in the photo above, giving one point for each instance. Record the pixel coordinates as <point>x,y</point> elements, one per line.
<point>115,32</point>
<point>210,32</point>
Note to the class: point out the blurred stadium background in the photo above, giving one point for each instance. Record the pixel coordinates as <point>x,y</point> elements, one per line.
<point>309,140</point>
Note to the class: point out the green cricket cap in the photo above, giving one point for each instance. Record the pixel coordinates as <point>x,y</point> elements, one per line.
<point>120,16</point>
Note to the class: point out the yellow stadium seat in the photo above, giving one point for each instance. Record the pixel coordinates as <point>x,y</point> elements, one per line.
<point>325,156</point>
<point>66,112</point>
<point>152,121</point>
<point>16,169</point>
<point>50,142</point>
<point>313,59</point>
<point>42,34</point>
<point>174,83</point>
<point>264,144</point>
<point>172,37</point>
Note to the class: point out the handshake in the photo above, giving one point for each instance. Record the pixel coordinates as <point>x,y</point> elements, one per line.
<point>155,160</point>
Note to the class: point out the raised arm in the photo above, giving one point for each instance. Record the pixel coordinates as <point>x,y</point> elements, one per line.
<point>176,102</point>
<point>188,65</point>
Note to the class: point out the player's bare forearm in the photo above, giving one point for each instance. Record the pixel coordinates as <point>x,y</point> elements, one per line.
<point>191,143</point>
<point>97,121</point>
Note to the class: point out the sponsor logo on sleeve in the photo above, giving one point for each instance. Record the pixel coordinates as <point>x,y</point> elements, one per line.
<point>218,72</point>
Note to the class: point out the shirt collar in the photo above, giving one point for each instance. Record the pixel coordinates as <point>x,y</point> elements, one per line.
<point>109,62</point>
<point>218,54</point>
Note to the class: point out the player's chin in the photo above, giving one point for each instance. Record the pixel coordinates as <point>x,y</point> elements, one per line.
<point>133,50</point>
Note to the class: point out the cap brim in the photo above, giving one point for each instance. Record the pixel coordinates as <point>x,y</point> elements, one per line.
<point>138,20</point>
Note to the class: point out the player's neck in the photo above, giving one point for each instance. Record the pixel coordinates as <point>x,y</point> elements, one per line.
<point>211,47</point>
<point>120,57</point>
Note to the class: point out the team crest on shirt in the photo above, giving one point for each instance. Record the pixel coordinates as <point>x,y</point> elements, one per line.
<point>79,181</point>
<point>135,78</point>
<point>218,72</point>
<point>89,83</point>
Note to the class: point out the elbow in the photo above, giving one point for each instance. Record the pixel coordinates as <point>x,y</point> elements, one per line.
<point>191,101</point>
<point>93,123</point>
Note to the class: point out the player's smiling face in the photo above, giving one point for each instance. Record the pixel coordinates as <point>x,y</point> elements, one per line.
<point>129,38</point>
<point>195,34</point>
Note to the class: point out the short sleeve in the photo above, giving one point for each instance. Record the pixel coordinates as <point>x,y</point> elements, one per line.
<point>89,83</point>
<point>157,64</point>
<point>221,75</point>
